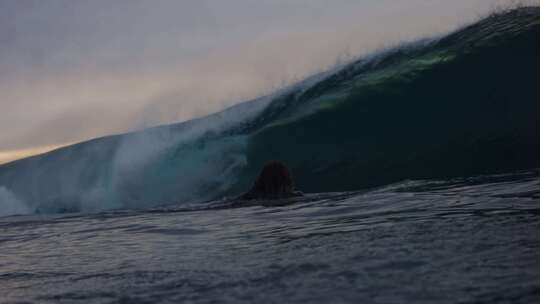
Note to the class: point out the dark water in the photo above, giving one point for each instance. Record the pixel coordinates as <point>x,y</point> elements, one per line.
<point>473,240</point>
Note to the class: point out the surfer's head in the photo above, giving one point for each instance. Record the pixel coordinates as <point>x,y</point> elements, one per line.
<point>274,181</point>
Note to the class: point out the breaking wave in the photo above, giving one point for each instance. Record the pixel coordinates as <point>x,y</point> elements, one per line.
<point>462,105</point>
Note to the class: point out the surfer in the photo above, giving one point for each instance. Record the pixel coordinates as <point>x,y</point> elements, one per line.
<point>274,182</point>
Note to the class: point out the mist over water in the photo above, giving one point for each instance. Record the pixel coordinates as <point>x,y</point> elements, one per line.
<point>75,71</point>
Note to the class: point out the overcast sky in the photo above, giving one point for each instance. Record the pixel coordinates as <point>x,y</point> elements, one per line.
<point>73,70</point>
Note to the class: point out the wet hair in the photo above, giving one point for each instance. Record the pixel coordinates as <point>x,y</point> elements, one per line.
<point>274,181</point>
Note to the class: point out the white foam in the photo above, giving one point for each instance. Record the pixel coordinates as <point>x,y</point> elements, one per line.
<point>10,204</point>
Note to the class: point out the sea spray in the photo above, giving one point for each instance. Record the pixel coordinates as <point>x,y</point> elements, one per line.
<point>10,204</point>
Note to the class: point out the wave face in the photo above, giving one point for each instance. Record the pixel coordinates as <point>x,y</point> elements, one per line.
<point>462,105</point>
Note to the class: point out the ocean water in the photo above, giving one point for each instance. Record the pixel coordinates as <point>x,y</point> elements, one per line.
<point>473,240</point>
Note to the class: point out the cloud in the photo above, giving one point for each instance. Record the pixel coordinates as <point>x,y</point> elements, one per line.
<point>10,155</point>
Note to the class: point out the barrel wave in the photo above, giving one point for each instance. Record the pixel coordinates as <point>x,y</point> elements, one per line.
<point>462,105</point>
